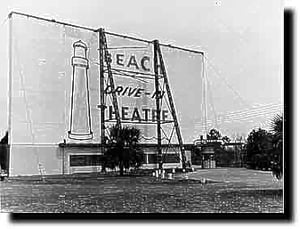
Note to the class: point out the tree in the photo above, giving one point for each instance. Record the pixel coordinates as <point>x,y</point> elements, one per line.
<point>4,152</point>
<point>277,124</point>
<point>122,149</point>
<point>222,157</point>
<point>214,134</point>
<point>259,149</point>
<point>277,131</point>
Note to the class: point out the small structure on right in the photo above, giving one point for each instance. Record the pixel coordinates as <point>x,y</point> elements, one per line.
<point>237,154</point>
<point>208,154</point>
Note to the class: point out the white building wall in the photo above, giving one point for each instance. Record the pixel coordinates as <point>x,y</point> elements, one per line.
<point>35,159</point>
<point>49,159</point>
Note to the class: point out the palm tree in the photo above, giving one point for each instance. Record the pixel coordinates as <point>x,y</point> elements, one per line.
<point>122,149</point>
<point>277,131</point>
<point>214,134</point>
<point>277,124</point>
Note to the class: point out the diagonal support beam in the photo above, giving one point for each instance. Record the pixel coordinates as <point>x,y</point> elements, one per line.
<point>172,105</point>
<point>105,56</point>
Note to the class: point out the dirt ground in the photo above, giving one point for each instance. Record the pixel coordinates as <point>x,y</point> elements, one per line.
<point>231,190</point>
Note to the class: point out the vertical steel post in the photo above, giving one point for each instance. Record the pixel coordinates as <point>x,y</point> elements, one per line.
<point>10,81</point>
<point>205,96</point>
<point>10,45</point>
<point>157,98</point>
<point>101,87</point>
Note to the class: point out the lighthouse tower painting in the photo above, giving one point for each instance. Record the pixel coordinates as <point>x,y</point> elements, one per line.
<point>80,120</point>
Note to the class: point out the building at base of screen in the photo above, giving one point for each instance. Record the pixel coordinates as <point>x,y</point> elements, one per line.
<point>70,158</point>
<point>80,158</point>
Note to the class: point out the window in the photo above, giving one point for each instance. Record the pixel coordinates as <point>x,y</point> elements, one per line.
<point>167,158</point>
<point>86,160</point>
<point>171,158</point>
<point>152,158</point>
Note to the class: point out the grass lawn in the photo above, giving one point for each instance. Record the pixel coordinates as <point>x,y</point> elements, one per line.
<point>236,190</point>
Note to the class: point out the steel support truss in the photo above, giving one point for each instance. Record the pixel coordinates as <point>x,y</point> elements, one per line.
<point>162,91</point>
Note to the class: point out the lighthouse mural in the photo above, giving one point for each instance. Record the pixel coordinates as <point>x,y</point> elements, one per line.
<point>80,120</point>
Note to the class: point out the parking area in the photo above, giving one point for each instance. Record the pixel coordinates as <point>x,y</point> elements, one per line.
<point>242,176</point>
<point>236,190</point>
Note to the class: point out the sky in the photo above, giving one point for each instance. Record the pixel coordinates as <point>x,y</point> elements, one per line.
<point>242,39</point>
